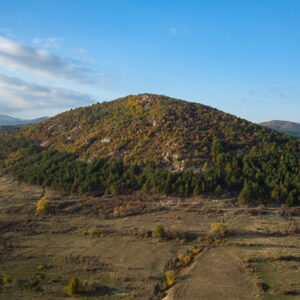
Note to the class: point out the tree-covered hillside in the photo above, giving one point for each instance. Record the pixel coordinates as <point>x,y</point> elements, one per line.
<point>153,142</point>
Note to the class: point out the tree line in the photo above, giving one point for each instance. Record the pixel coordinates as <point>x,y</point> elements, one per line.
<point>268,174</point>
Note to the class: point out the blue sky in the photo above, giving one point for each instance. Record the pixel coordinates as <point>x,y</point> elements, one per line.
<point>241,57</point>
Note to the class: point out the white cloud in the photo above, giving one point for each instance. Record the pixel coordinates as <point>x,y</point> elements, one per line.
<point>16,56</point>
<point>18,95</point>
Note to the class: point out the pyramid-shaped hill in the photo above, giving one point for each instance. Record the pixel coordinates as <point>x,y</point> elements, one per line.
<point>174,136</point>
<point>177,134</point>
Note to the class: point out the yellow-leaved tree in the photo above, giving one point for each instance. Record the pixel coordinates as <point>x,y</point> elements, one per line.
<point>43,207</point>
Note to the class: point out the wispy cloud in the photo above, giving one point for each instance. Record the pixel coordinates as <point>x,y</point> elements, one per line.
<point>17,94</point>
<point>17,56</point>
<point>252,92</point>
<point>6,32</point>
<point>173,31</point>
<point>51,42</point>
<point>272,92</point>
<point>179,31</point>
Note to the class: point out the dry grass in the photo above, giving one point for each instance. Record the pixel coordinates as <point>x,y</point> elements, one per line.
<point>116,257</point>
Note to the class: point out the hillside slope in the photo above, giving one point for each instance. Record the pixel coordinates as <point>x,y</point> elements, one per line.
<point>175,133</point>
<point>284,126</point>
<point>155,142</point>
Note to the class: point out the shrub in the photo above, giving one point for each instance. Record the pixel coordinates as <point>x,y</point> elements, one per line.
<point>158,232</point>
<point>73,286</point>
<point>32,285</point>
<point>188,258</point>
<point>43,207</point>
<point>170,277</point>
<point>196,250</point>
<point>218,230</point>
<point>180,257</point>
<point>218,190</point>
<point>7,278</point>
<point>185,259</point>
<point>94,233</point>
<point>41,267</point>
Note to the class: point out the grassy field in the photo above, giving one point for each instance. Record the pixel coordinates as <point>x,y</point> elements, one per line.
<point>106,242</point>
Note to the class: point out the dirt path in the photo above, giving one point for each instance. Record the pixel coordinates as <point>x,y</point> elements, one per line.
<point>216,274</point>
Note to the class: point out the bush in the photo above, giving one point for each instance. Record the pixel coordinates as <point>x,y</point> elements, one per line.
<point>218,230</point>
<point>73,286</point>
<point>170,277</point>
<point>196,250</point>
<point>188,258</point>
<point>41,267</point>
<point>158,232</point>
<point>185,259</point>
<point>7,278</point>
<point>43,207</point>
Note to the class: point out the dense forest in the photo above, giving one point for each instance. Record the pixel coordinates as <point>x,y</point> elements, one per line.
<point>156,144</point>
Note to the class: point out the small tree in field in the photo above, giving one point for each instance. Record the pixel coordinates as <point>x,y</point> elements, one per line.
<point>43,207</point>
<point>158,232</point>
<point>73,286</point>
<point>218,230</point>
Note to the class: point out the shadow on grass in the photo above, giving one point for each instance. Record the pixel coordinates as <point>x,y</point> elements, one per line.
<point>92,291</point>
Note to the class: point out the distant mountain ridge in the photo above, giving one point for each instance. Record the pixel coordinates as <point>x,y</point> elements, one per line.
<point>6,120</point>
<point>287,127</point>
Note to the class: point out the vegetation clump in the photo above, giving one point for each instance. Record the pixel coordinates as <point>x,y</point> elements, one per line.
<point>7,278</point>
<point>94,233</point>
<point>159,232</point>
<point>41,267</point>
<point>218,230</point>
<point>196,250</point>
<point>73,286</point>
<point>43,207</point>
<point>185,259</point>
<point>170,277</point>
<point>32,285</point>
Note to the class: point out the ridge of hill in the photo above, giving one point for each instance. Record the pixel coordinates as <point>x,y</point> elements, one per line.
<point>287,127</point>
<point>153,142</point>
<point>6,120</point>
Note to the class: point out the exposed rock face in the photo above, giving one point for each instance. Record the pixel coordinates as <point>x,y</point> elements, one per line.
<point>106,140</point>
<point>44,144</point>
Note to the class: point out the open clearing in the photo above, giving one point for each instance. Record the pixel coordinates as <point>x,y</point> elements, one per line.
<point>106,243</point>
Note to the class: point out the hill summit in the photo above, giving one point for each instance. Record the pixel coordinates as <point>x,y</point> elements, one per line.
<point>151,141</point>
<point>177,134</point>
<point>287,127</point>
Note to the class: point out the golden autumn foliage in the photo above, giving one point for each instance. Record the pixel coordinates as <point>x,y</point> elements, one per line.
<point>218,230</point>
<point>43,207</point>
<point>170,277</point>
